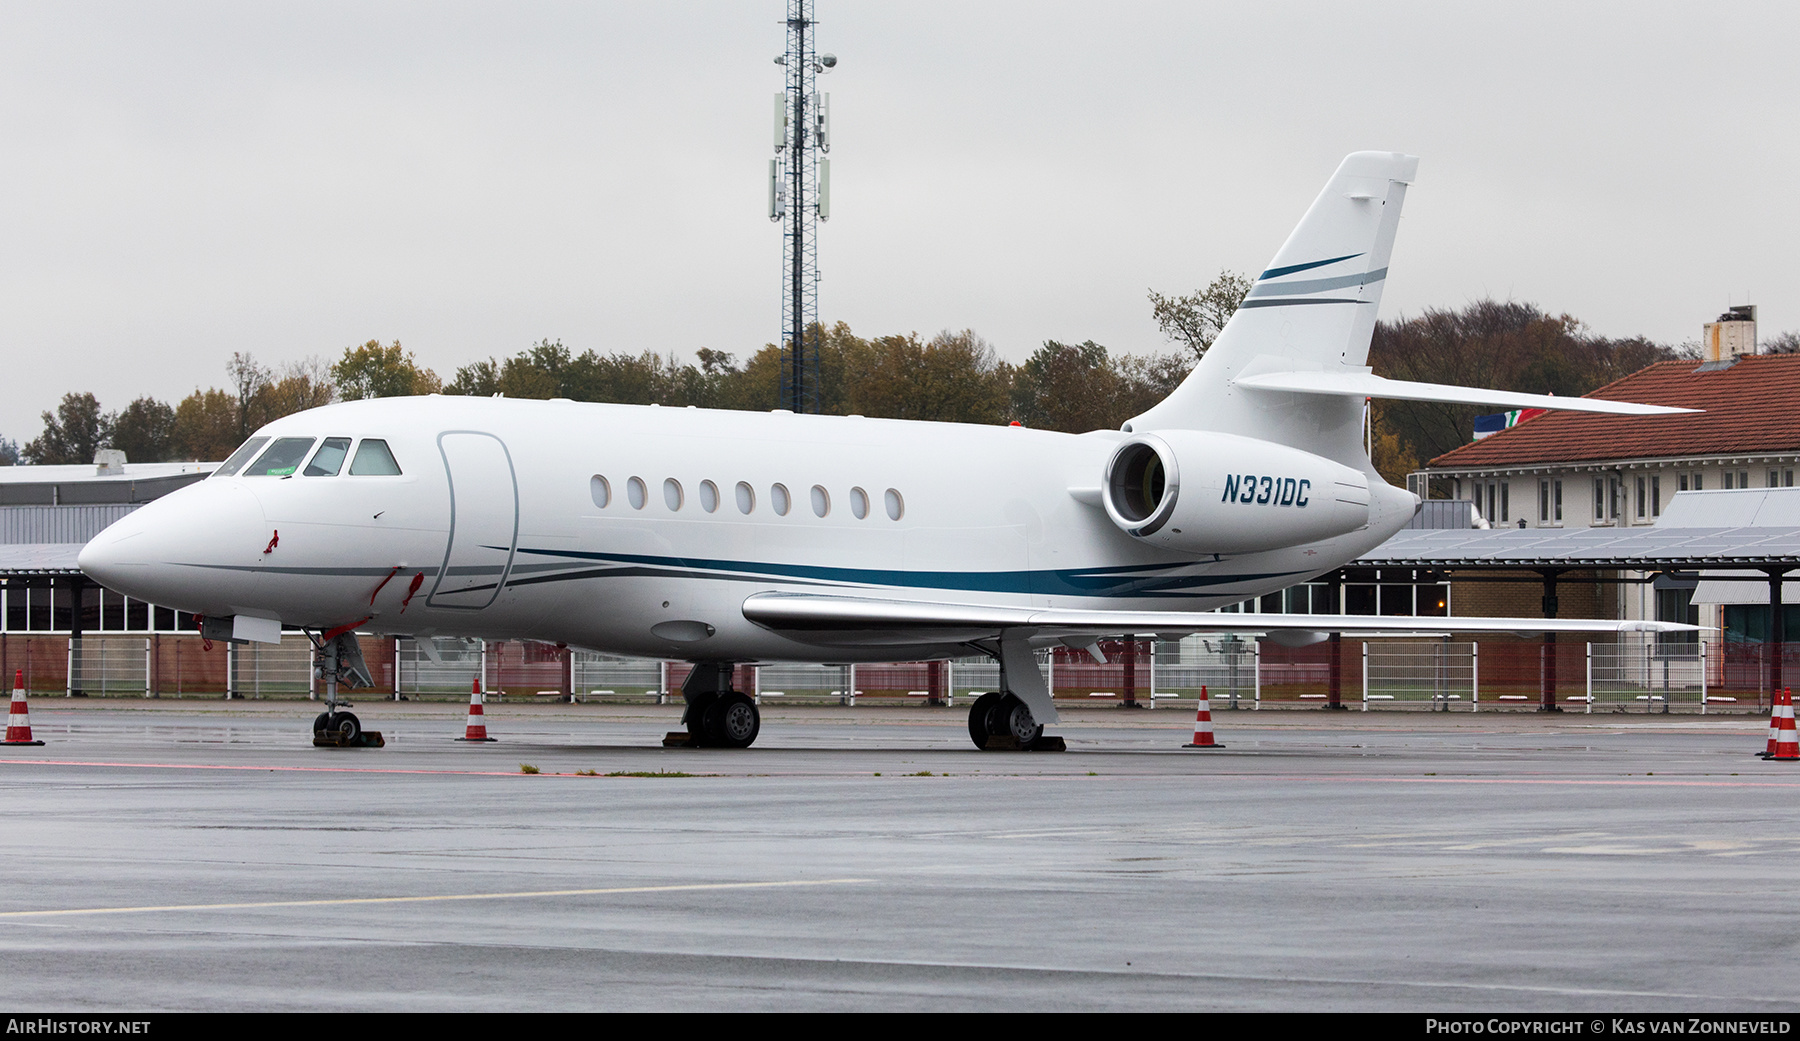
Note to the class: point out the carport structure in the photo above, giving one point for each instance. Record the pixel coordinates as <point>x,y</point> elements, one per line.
<point>1747,530</point>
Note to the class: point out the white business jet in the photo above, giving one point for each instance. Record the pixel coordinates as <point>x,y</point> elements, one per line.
<point>728,537</point>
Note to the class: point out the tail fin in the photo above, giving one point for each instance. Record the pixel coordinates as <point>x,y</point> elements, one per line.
<point>1312,310</point>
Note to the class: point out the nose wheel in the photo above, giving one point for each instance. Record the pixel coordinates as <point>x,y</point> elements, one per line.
<point>337,728</point>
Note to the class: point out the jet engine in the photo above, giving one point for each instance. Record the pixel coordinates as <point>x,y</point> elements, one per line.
<point>1195,491</point>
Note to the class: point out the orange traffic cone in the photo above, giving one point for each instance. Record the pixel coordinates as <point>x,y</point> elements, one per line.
<point>1203,734</point>
<point>477,728</point>
<point>18,722</point>
<point>1787,743</point>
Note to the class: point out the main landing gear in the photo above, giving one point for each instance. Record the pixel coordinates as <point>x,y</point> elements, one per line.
<point>717,716</point>
<point>1013,717</point>
<point>340,660</point>
<point>999,720</point>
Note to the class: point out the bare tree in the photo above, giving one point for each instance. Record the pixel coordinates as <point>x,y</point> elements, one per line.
<point>1197,319</point>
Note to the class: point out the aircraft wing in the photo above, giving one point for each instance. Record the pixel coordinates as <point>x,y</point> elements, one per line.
<point>878,620</point>
<point>1368,385</point>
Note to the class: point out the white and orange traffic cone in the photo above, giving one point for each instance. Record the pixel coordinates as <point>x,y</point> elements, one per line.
<point>477,728</point>
<point>1203,732</point>
<point>1787,743</point>
<point>18,721</point>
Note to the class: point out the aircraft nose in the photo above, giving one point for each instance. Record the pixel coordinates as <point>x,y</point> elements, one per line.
<point>181,550</point>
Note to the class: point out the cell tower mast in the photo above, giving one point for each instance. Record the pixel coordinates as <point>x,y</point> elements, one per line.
<point>800,197</point>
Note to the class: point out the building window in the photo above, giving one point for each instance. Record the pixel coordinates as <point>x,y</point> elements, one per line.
<point>1599,498</point>
<point>1656,496</point>
<point>1556,500</point>
<point>1681,483</point>
<point>1642,506</point>
<point>1543,502</point>
<point>1699,482</point>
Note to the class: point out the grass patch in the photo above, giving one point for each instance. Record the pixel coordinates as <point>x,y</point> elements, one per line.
<point>923,773</point>
<point>648,773</point>
<point>527,768</point>
<point>586,773</point>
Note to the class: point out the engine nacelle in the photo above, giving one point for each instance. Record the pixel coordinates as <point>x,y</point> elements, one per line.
<point>1196,491</point>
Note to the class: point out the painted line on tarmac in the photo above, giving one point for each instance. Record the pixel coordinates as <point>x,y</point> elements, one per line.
<point>279,769</point>
<point>617,890</point>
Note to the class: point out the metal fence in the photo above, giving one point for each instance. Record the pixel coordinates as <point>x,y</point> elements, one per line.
<point>1638,672</point>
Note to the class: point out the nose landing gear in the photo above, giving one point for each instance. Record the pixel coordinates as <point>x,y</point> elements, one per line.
<point>339,659</point>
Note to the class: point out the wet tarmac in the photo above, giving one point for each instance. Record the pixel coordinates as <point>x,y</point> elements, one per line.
<point>203,856</point>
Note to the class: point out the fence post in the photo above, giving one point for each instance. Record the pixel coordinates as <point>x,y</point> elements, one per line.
<point>950,682</point>
<point>1256,673</point>
<point>149,670</point>
<point>69,671</point>
<point>1590,677</point>
<point>1052,681</point>
<point>1474,675</point>
<point>1365,674</point>
<point>1152,643</point>
<point>1703,677</point>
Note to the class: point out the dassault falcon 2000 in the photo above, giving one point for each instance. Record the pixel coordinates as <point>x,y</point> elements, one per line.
<point>728,537</point>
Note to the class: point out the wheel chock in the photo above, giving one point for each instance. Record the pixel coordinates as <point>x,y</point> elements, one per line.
<point>679,739</point>
<point>1009,743</point>
<point>364,739</point>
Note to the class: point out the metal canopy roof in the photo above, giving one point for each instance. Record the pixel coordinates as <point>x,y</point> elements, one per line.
<point>1745,528</point>
<point>1640,549</point>
<point>40,558</point>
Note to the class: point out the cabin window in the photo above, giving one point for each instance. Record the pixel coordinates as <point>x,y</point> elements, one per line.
<point>821,500</point>
<point>896,506</point>
<point>329,459</point>
<point>778,499</point>
<point>709,496</point>
<point>746,498</point>
<point>281,459</point>
<point>600,490</point>
<point>240,457</point>
<point>672,494</point>
<point>635,493</point>
<point>859,503</point>
<point>374,460</point>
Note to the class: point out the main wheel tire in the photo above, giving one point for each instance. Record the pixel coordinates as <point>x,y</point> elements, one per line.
<point>1013,717</point>
<point>732,721</point>
<point>979,714</point>
<point>696,718</point>
<point>322,724</point>
<point>347,728</point>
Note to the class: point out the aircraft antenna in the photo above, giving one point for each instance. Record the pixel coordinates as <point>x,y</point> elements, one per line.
<point>799,198</point>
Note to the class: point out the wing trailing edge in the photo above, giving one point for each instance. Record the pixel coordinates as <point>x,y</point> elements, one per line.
<point>846,615</point>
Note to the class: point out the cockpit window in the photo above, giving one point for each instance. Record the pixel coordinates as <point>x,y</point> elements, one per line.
<point>239,457</point>
<point>373,460</point>
<point>282,458</point>
<point>329,459</point>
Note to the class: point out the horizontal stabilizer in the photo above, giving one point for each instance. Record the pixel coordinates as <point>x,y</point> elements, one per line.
<point>1368,385</point>
<point>846,615</point>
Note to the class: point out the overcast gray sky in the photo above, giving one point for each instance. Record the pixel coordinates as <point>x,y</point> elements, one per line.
<point>182,180</point>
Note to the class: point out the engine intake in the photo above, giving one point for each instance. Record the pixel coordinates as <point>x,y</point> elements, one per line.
<point>1197,491</point>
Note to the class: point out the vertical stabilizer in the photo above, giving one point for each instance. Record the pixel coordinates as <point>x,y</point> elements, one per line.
<point>1312,309</point>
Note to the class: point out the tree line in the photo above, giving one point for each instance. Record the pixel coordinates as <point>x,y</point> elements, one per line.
<point>951,377</point>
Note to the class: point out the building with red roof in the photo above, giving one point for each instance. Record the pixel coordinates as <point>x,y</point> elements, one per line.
<point>1572,469</point>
